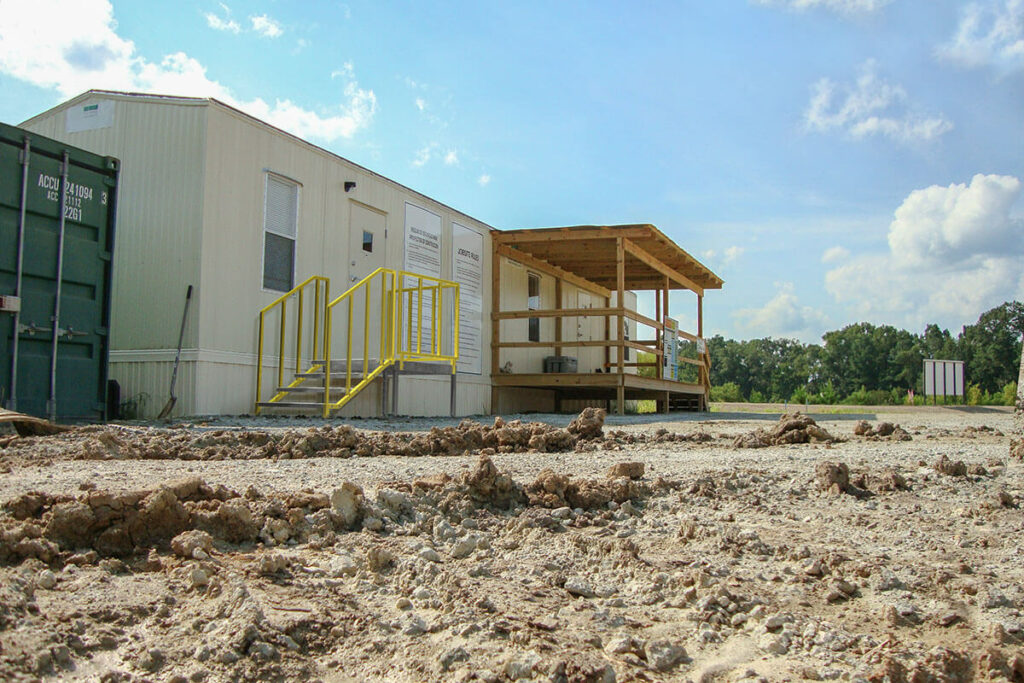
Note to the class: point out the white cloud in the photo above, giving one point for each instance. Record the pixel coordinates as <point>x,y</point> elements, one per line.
<point>708,254</point>
<point>782,316</point>
<point>423,156</point>
<point>265,26</point>
<point>732,253</point>
<point>946,225</point>
<point>833,254</point>
<point>989,34</point>
<point>73,47</point>
<point>840,6</point>
<point>223,24</point>
<point>484,180</point>
<point>421,103</point>
<point>870,106</point>
<point>953,253</point>
<point>451,158</point>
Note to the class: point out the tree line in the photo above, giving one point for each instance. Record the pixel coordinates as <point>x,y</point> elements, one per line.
<point>871,364</point>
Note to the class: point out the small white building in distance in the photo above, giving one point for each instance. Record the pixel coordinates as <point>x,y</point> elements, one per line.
<point>244,212</point>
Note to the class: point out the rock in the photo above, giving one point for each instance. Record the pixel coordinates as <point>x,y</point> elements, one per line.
<point>620,645</point>
<point>589,424</point>
<point>580,587</point>
<point>950,468</point>
<point>885,428</point>
<point>414,626</point>
<point>151,659</point>
<point>263,651</point>
<point>520,666</point>
<point>464,546</point>
<point>198,577</point>
<point>342,564</point>
<point>273,563</point>
<point>947,618</point>
<point>187,543</point>
<point>776,644</point>
<point>629,470</point>
<point>833,477</point>
<point>813,567</point>
<point>348,502</point>
<point>450,657</point>
<point>429,554</point>
<point>379,558</point>
<point>863,428</point>
<point>663,654</point>
<point>403,603</point>
<point>46,579</point>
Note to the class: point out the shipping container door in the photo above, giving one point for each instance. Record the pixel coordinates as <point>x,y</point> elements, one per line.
<point>85,271</point>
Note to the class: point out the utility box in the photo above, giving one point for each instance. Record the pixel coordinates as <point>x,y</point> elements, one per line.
<point>57,208</point>
<point>559,364</point>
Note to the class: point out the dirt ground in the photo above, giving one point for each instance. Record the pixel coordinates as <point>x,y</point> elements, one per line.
<point>718,547</point>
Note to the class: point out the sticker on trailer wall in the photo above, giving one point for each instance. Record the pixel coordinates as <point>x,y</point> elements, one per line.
<point>467,270</point>
<point>92,116</point>
<point>423,256</point>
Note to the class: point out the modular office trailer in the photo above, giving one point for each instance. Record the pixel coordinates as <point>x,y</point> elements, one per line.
<point>217,199</point>
<point>57,208</point>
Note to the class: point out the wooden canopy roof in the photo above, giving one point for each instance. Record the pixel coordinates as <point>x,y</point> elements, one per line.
<point>591,252</point>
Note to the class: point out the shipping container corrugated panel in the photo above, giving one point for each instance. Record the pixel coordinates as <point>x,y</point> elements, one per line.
<point>57,208</point>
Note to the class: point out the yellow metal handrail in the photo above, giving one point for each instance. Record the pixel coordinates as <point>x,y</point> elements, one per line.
<point>396,303</point>
<point>319,324</point>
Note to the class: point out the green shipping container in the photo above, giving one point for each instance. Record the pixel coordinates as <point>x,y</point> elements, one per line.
<point>57,208</point>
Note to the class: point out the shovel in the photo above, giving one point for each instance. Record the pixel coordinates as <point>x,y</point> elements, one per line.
<point>177,359</point>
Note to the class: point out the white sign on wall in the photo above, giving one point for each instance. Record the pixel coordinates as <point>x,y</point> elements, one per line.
<point>943,377</point>
<point>467,270</point>
<point>92,116</point>
<point>422,256</point>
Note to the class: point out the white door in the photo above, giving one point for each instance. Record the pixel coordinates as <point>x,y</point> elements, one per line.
<point>366,253</point>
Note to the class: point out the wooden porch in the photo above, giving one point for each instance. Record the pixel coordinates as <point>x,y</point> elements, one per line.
<point>606,262</point>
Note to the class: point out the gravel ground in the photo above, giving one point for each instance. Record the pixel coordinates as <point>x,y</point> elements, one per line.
<point>849,557</point>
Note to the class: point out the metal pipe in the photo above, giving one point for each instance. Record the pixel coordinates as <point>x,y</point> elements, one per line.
<point>51,404</point>
<point>12,400</point>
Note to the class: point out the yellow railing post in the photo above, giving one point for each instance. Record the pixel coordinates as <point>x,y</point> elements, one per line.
<point>327,362</point>
<point>259,363</point>
<point>298,338</point>
<point>280,346</point>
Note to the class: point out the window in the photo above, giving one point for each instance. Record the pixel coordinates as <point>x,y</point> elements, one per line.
<point>533,303</point>
<point>367,241</point>
<point>279,220</point>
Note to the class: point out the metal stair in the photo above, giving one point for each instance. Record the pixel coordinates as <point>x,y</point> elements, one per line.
<point>399,301</point>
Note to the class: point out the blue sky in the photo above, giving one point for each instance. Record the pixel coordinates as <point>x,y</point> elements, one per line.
<point>833,160</point>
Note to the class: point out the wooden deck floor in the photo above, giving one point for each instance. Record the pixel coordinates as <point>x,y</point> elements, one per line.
<point>601,385</point>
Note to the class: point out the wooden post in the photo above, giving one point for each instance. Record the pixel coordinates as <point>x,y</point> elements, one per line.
<point>558,320</point>
<point>620,288</point>
<point>700,316</point>
<point>495,324</point>
<point>660,348</point>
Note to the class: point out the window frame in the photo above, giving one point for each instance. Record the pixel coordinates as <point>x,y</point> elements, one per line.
<point>267,176</point>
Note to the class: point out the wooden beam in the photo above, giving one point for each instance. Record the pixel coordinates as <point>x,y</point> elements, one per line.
<point>571,344</point>
<point>557,313</point>
<point>635,250</point>
<point>573,233</point>
<point>495,323</point>
<point>558,327</point>
<point>545,267</point>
